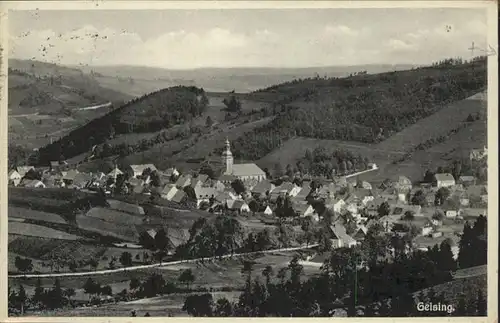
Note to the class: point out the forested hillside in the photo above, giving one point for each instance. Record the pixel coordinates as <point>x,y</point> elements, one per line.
<point>149,113</point>
<point>362,107</point>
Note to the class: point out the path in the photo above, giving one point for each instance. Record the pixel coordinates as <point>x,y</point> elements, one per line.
<point>165,264</point>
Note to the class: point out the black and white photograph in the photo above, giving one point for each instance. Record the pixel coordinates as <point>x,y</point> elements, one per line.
<point>267,161</point>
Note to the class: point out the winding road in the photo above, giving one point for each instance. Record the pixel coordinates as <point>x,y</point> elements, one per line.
<point>165,264</point>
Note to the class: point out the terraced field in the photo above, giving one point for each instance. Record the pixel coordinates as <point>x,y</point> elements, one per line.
<point>34,230</point>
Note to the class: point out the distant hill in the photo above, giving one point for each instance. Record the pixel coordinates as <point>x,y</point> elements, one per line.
<point>227,79</point>
<point>47,99</point>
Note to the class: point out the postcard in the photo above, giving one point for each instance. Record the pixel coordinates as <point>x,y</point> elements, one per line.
<point>249,159</point>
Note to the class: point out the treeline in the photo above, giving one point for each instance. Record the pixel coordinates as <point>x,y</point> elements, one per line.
<point>149,113</point>
<point>365,108</point>
<point>357,281</point>
<point>329,162</point>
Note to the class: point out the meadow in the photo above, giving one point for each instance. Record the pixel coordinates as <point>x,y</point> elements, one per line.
<point>23,213</point>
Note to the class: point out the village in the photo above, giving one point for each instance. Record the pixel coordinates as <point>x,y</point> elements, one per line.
<point>431,211</point>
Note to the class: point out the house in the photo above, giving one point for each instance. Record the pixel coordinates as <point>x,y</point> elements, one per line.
<point>388,222</point>
<point>203,178</point>
<point>267,211</point>
<point>223,197</point>
<point>444,180</point>
<point>227,179</point>
<point>364,195</point>
<point>82,180</point>
<point>283,190</point>
<point>14,177</point>
<point>262,189</point>
<point>204,194</point>
<point>427,229</point>
<point>336,204</point>
<point>389,193</point>
<point>475,212</point>
<point>327,191</point>
<point>478,154</point>
<point>137,170</point>
<point>70,176</point>
<point>238,205</point>
<point>178,196</point>
<point>467,180</point>
<point>183,181</point>
<point>303,210</point>
<point>22,170</point>
<point>169,192</point>
<point>365,185</point>
<point>54,165</point>
<point>360,233</point>
<point>304,192</point>
<point>32,183</point>
<point>340,238</point>
<point>403,184</point>
<point>169,172</point>
<point>114,173</point>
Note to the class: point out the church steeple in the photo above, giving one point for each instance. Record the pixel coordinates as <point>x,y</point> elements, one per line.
<point>227,158</point>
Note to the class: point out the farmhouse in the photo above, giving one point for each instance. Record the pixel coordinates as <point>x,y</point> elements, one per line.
<point>14,177</point>
<point>360,233</point>
<point>204,194</point>
<point>444,180</point>
<point>32,183</point>
<point>262,189</point>
<point>303,210</point>
<point>238,205</point>
<point>169,192</point>
<point>22,170</point>
<point>178,196</point>
<point>183,181</point>
<point>70,176</point>
<point>244,172</point>
<point>169,172</point>
<point>304,192</point>
<point>336,204</point>
<point>114,173</point>
<point>268,211</point>
<point>340,238</point>
<point>137,170</point>
<point>475,212</point>
<point>467,180</point>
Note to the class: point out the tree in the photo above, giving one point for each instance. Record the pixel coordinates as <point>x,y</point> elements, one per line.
<point>106,290</point>
<point>277,170</point>
<point>38,297</point>
<point>268,273</point>
<point>23,264</point>
<point>461,309</point>
<point>90,287</point>
<point>69,292</point>
<point>223,308</point>
<point>233,104</point>
<point>419,198</point>
<point>199,305</point>
<point>409,216</point>
<point>186,277</point>
<point>441,195</point>
<point>126,259</point>
<point>238,186</point>
<point>134,284</point>
<point>446,260</point>
<point>209,122</point>
<point>21,298</point>
<point>162,242</point>
<point>155,179</point>
<point>384,209</point>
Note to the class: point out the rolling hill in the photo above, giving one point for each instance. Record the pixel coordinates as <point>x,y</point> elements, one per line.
<point>46,100</point>
<point>362,109</point>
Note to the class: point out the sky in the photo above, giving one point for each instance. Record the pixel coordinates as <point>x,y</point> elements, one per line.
<point>185,39</point>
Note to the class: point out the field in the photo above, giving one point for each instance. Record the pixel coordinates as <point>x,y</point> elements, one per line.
<point>113,216</point>
<point>33,230</point>
<point>120,231</point>
<point>23,213</point>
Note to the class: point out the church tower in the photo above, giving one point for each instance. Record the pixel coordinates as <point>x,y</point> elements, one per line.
<point>227,158</point>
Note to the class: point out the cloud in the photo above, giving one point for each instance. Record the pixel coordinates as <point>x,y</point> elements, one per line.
<point>340,30</point>
<point>400,45</point>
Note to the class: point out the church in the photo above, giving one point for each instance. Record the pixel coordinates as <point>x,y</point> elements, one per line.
<point>244,172</point>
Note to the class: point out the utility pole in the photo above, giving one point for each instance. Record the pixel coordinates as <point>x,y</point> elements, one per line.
<point>472,48</point>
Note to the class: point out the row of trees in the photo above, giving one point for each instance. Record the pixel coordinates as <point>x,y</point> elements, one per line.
<point>379,288</point>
